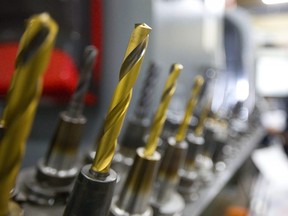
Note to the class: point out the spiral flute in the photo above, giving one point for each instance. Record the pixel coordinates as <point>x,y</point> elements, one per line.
<point>25,90</point>
<point>160,115</point>
<point>128,74</point>
<point>181,133</point>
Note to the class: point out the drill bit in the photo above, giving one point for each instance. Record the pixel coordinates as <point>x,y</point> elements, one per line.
<point>142,108</point>
<point>93,190</point>
<point>128,73</point>
<point>25,90</point>
<point>181,133</point>
<point>201,122</point>
<point>160,115</point>
<point>58,167</point>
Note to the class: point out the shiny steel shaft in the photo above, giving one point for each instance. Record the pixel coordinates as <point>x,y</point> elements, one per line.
<point>160,115</point>
<point>181,133</point>
<point>25,90</point>
<point>128,73</point>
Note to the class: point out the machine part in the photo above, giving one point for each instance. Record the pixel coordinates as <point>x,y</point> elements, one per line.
<point>188,184</point>
<point>15,209</point>
<point>94,187</point>
<point>33,57</point>
<point>121,99</point>
<point>134,196</point>
<point>92,193</point>
<point>165,200</point>
<point>160,116</point>
<point>55,174</point>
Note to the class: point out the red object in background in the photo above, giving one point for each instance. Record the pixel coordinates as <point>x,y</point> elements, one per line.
<point>60,79</point>
<point>62,74</point>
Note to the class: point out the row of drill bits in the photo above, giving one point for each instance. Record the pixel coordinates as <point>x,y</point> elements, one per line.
<point>145,181</point>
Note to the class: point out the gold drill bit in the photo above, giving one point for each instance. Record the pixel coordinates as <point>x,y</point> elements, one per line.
<point>181,133</point>
<point>122,95</point>
<point>25,90</point>
<point>160,115</point>
<point>201,122</point>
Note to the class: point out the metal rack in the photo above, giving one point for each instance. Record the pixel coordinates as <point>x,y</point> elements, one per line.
<point>206,194</point>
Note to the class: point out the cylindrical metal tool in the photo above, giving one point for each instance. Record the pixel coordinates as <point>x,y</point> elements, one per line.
<point>165,200</point>
<point>92,193</point>
<point>57,171</point>
<point>99,176</point>
<point>134,196</point>
<point>188,175</point>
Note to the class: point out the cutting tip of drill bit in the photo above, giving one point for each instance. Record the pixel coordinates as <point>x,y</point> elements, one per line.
<point>160,116</point>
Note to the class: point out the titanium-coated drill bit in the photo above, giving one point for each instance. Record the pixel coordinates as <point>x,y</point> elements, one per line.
<point>181,133</point>
<point>94,187</point>
<point>142,108</point>
<point>160,115</point>
<point>128,73</point>
<point>25,90</point>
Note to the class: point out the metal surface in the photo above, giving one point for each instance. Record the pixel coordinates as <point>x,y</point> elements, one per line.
<point>128,74</point>
<point>167,179</point>
<point>134,196</point>
<point>92,194</point>
<point>246,144</point>
<point>33,57</point>
<point>160,116</point>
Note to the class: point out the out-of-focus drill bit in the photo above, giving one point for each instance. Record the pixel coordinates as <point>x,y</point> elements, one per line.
<point>160,115</point>
<point>196,140</point>
<point>51,184</point>
<point>182,130</point>
<point>93,190</point>
<point>25,90</point>
<point>134,196</point>
<point>165,200</point>
<point>137,127</point>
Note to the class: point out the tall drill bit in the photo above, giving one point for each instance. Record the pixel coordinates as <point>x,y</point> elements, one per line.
<point>25,90</point>
<point>143,105</point>
<point>198,83</point>
<point>160,115</point>
<point>128,73</point>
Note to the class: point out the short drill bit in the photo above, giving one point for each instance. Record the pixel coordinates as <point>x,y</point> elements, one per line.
<point>25,90</point>
<point>203,116</point>
<point>93,190</point>
<point>160,115</point>
<point>181,133</point>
